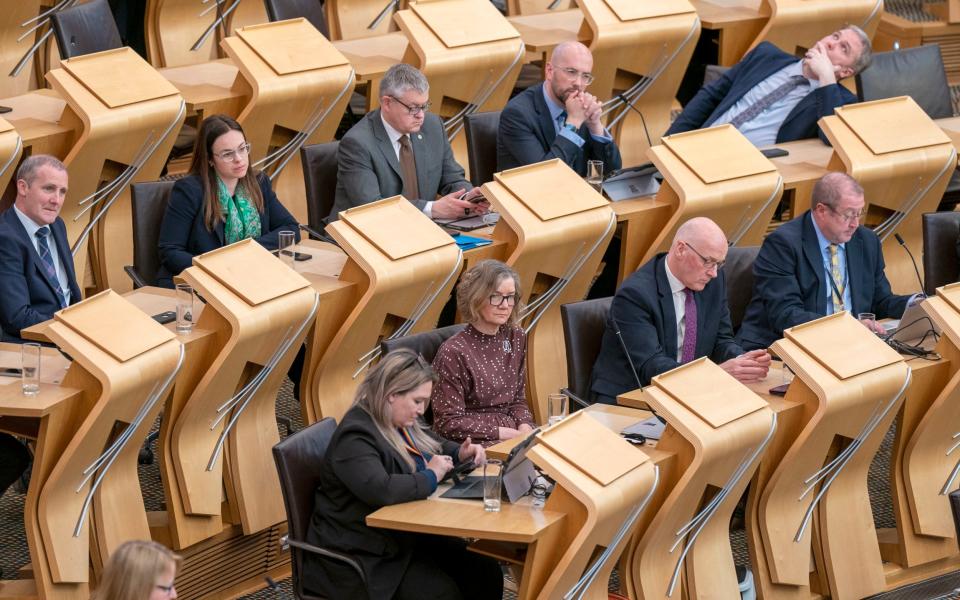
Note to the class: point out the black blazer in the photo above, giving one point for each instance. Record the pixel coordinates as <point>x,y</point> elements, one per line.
<point>527,135</point>
<point>790,286</point>
<point>643,311</point>
<point>360,473</point>
<point>763,61</point>
<point>27,296</point>
<point>183,234</point>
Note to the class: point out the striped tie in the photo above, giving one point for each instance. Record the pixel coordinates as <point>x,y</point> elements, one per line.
<point>837,296</point>
<point>46,258</point>
<point>689,348</point>
<point>754,110</point>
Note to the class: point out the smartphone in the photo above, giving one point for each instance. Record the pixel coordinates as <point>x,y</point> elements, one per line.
<point>165,317</point>
<point>11,372</point>
<point>5,109</point>
<point>298,256</point>
<point>462,469</point>
<point>774,152</point>
<point>780,390</point>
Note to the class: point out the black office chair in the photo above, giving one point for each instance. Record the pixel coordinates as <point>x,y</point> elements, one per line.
<point>298,458</point>
<point>481,130</point>
<point>738,276</point>
<point>941,266</point>
<point>320,179</point>
<point>85,28</point>
<point>583,325</point>
<point>311,10</point>
<point>149,202</point>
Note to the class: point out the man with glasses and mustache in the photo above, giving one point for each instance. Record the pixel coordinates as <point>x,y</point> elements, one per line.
<point>401,148</point>
<point>772,96</point>
<point>558,119</point>
<point>818,264</point>
<point>671,311</point>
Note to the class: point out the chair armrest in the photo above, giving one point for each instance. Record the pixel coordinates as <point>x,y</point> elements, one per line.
<point>138,281</point>
<point>328,554</point>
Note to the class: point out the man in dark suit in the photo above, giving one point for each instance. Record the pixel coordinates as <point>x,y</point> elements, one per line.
<point>671,311</point>
<point>820,263</point>
<point>36,266</point>
<point>401,148</point>
<point>557,119</point>
<point>771,97</point>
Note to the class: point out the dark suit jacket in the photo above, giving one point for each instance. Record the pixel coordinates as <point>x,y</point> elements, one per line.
<point>790,286</point>
<point>761,62</point>
<point>27,296</point>
<point>360,473</point>
<point>184,234</point>
<point>643,310</point>
<point>527,135</point>
<point>368,169</point>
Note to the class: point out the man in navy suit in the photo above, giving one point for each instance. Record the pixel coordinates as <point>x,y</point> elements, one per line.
<point>771,96</point>
<point>820,263</point>
<point>36,266</point>
<point>557,119</point>
<point>671,311</point>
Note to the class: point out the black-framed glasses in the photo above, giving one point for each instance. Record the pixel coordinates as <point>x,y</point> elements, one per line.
<point>499,299</point>
<point>849,217</point>
<point>586,78</point>
<point>708,263</point>
<point>232,155</point>
<point>414,110</point>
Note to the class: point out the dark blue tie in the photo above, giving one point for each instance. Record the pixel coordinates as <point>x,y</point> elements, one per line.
<point>46,258</point>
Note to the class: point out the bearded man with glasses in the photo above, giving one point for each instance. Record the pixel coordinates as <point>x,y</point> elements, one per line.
<point>822,262</point>
<point>671,311</point>
<point>401,148</point>
<point>557,119</point>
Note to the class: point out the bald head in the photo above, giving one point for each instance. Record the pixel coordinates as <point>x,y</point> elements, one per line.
<point>570,51</point>
<point>698,250</point>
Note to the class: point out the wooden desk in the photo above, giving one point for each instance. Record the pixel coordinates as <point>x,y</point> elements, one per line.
<point>371,57</point>
<point>543,32</point>
<point>738,23</point>
<point>210,87</point>
<point>43,121</point>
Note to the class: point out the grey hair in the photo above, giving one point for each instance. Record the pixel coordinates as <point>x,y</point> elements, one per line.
<point>402,77</point>
<point>831,187</point>
<point>866,53</point>
<point>27,170</point>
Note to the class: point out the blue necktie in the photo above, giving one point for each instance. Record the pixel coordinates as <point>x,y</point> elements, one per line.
<point>561,120</point>
<point>754,110</point>
<point>47,260</point>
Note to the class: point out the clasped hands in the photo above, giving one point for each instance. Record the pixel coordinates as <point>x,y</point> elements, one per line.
<point>459,204</point>
<point>749,366</point>
<point>583,107</point>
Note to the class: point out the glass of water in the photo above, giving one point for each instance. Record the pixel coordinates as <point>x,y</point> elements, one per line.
<point>184,308</point>
<point>30,368</point>
<point>556,408</point>
<point>287,241</point>
<point>595,174</point>
<point>492,482</point>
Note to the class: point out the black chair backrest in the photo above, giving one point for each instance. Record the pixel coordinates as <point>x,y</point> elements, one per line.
<point>915,72</point>
<point>149,202</point>
<point>940,263</point>
<point>583,325</point>
<point>426,343</point>
<point>298,458</point>
<point>738,275</point>
<point>311,10</point>
<point>481,130</point>
<point>85,28</point>
<point>320,179</point>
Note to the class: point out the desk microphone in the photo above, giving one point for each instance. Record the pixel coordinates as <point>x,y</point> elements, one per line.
<point>316,234</point>
<point>642,120</point>
<point>633,369</point>
<point>912,260</point>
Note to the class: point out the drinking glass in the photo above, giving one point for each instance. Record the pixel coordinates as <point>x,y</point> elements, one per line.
<point>287,242</point>
<point>556,408</point>
<point>595,174</point>
<point>492,482</point>
<point>30,368</point>
<point>184,308</point>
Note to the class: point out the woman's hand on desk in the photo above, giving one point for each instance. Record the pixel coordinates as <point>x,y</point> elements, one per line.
<point>524,429</point>
<point>440,464</point>
<point>507,433</point>
<point>469,450</point>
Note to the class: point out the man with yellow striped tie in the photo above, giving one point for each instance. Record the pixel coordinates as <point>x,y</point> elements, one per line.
<point>819,263</point>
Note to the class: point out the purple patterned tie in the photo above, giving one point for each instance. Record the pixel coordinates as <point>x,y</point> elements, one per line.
<point>46,259</point>
<point>689,327</point>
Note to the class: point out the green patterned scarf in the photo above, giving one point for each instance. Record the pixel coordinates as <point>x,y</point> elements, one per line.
<point>240,218</point>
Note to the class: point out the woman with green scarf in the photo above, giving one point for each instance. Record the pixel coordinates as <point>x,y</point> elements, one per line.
<point>222,201</point>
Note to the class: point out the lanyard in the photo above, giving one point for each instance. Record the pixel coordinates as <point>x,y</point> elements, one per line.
<point>411,445</point>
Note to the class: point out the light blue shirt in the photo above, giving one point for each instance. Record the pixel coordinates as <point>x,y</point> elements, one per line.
<point>32,229</point>
<point>555,111</point>
<point>762,129</point>
<point>824,245</point>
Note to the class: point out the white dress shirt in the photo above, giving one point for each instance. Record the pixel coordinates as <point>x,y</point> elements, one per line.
<point>679,306</point>
<point>395,136</point>
<point>32,229</point>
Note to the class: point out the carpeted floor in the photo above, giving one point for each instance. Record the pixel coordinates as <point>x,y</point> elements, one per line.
<point>13,550</point>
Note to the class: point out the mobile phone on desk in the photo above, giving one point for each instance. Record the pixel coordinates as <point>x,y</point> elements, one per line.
<point>461,469</point>
<point>780,390</point>
<point>165,317</point>
<point>11,372</point>
<point>298,256</point>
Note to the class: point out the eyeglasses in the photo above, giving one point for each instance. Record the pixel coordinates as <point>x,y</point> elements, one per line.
<point>414,110</point>
<point>708,263</point>
<point>166,589</point>
<point>499,299</point>
<point>849,217</point>
<point>572,73</point>
<point>232,155</point>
